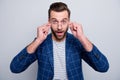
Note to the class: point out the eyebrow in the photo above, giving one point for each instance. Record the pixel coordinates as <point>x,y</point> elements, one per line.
<point>56,19</point>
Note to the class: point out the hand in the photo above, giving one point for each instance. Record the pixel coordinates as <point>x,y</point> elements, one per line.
<point>42,32</point>
<point>76,29</point>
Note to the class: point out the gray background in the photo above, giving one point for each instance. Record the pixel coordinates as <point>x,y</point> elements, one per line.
<point>20,18</point>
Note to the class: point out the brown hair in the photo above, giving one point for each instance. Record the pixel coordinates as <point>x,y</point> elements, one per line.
<point>58,7</point>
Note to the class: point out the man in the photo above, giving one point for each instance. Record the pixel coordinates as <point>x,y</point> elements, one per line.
<point>60,53</point>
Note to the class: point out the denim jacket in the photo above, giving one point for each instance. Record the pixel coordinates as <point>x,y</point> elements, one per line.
<point>75,52</point>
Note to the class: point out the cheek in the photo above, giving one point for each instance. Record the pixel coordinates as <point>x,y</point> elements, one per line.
<point>53,28</point>
<point>66,27</point>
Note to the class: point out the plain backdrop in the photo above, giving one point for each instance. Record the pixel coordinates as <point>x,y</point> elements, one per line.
<point>20,18</point>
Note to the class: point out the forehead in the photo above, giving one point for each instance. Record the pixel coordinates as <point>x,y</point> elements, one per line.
<point>59,15</point>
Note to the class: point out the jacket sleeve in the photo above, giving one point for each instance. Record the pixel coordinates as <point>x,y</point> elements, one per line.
<point>21,61</point>
<point>96,60</point>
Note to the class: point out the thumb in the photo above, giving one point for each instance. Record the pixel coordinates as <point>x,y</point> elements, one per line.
<point>71,26</point>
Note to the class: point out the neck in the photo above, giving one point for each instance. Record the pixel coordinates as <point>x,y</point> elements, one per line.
<point>58,40</point>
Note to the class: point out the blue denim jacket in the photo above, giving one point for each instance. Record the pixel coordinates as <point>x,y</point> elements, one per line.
<point>74,55</point>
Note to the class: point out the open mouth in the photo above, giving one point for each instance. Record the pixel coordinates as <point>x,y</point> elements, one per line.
<point>60,33</point>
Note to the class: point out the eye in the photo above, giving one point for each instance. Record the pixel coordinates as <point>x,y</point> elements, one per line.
<point>54,21</point>
<point>64,22</point>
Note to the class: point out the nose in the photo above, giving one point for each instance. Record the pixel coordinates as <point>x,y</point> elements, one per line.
<point>59,26</point>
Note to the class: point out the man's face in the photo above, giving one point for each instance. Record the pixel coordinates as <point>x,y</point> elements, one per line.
<point>59,24</point>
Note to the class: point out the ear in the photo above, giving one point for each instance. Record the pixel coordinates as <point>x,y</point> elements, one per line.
<point>49,20</point>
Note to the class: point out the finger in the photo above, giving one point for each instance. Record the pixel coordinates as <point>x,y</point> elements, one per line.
<point>47,26</point>
<point>71,25</point>
<point>75,26</point>
<point>44,27</point>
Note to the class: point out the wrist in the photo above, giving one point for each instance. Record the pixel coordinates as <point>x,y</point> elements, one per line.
<point>33,46</point>
<point>38,41</point>
<point>81,38</point>
<point>86,43</point>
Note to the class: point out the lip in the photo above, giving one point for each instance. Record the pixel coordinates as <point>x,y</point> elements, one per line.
<point>60,33</point>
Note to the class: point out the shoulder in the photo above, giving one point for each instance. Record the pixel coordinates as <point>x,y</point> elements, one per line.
<point>70,37</point>
<point>72,40</point>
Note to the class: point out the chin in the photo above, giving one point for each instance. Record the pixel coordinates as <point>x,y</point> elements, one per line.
<point>60,38</point>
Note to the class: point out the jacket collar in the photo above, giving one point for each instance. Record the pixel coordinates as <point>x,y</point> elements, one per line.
<point>50,49</point>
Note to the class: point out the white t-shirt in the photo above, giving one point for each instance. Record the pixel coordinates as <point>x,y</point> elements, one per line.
<point>59,61</point>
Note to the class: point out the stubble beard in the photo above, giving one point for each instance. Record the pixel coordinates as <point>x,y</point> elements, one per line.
<point>57,37</point>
